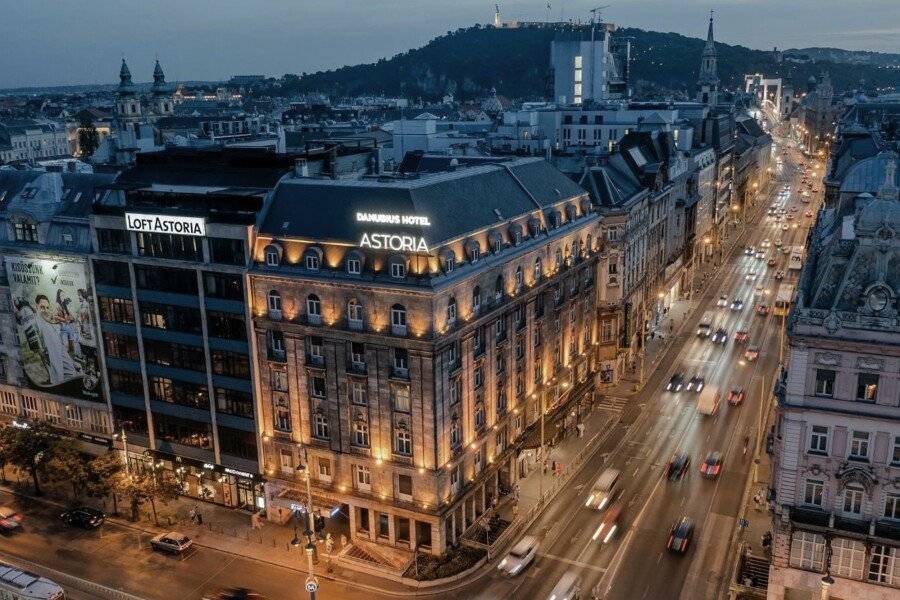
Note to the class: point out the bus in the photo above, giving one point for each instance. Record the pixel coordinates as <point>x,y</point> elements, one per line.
<point>783,299</point>
<point>16,584</point>
<point>796,260</point>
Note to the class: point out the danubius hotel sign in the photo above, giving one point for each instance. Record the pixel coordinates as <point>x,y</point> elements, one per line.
<point>195,226</point>
<point>398,242</point>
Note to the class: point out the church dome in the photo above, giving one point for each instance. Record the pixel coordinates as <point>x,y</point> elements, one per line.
<point>492,104</point>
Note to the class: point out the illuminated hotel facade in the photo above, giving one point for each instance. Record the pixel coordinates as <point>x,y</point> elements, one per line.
<point>408,331</point>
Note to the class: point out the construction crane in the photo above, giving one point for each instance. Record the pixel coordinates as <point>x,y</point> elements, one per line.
<point>596,13</point>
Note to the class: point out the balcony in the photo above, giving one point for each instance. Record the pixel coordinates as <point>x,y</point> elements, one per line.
<point>277,355</point>
<point>315,360</point>
<point>313,319</point>
<point>357,367</point>
<point>355,324</point>
<point>400,373</point>
<point>275,314</point>
<point>399,330</point>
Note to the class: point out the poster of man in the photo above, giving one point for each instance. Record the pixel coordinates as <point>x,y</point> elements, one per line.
<point>54,322</point>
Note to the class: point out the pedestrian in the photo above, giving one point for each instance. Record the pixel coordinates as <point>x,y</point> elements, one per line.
<point>343,540</point>
<point>199,518</point>
<point>193,514</point>
<point>580,428</point>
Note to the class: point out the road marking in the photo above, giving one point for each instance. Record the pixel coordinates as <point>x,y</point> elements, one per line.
<point>636,469</point>
<point>659,558</point>
<point>575,563</point>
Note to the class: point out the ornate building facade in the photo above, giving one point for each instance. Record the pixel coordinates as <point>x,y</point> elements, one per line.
<point>409,333</point>
<point>836,470</point>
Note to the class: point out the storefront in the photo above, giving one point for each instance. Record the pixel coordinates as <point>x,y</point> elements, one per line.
<point>213,483</point>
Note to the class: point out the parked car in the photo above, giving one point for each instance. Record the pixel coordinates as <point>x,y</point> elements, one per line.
<point>712,465</point>
<point>10,519</point>
<point>678,466</point>
<point>752,353</point>
<point>521,555</point>
<point>735,396</point>
<point>172,542</point>
<point>680,535</point>
<point>84,517</point>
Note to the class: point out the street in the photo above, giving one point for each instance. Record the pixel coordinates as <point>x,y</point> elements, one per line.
<point>647,432</point>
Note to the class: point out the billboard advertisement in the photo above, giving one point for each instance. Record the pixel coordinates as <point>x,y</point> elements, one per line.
<point>54,318</point>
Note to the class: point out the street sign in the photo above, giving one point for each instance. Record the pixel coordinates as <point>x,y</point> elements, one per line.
<point>311,584</point>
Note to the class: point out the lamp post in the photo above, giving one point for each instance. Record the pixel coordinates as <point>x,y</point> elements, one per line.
<point>312,584</point>
<point>124,449</point>
<point>543,462</point>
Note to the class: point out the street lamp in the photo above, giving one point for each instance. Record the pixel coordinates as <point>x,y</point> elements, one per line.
<point>312,584</point>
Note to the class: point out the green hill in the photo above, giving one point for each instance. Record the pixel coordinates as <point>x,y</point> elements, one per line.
<point>516,61</point>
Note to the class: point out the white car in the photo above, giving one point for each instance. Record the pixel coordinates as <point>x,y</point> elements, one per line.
<point>760,255</point>
<point>765,243</point>
<point>521,555</point>
<point>722,302</point>
<point>172,542</point>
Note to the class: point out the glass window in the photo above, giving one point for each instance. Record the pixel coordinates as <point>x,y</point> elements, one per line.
<point>120,346</point>
<point>895,455</point>
<point>182,431</point>
<point>125,382</point>
<point>229,326</point>
<point>113,241</point>
<point>180,356</point>
<point>859,445</point>
<point>234,402</point>
<point>400,397</point>
<point>313,305</point>
<point>183,393</point>
<point>358,393</point>
<point>455,391</point>
<point>167,245</point>
<point>867,387</point>
<point>403,443</point>
<point>279,380</point>
<point>363,476</point>
<point>116,310</point>
<point>479,416</point>
<point>107,272</point>
<point>451,311</point>
<point>312,261</point>
<point>273,258</point>
<point>884,564</point>
<point>825,382</point>
<point>892,506</point>
<point>229,252</point>
<point>354,266</point>
<point>848,558</point>
<point>171,317</point>
<point>398,315</point>
<point>160,279</point>
<point>223,286</point>
<point>320,426</point>
<point>236,442</point>
<point>455,434</point>
<point>354,312</point>
<point>398,270</point>
<point>317,386</point>
<point>853,499</point>
<point>361,434</point>
<point>813,492</point>
<point>807,551</point>
<point>818,440</point>
<point>404,485</point>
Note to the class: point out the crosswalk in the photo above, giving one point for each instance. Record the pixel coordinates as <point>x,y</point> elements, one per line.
<point>614,403</point>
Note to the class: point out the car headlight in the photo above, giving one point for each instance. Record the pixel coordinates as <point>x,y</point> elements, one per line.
<point>502,564</point>
<point>515,569</point>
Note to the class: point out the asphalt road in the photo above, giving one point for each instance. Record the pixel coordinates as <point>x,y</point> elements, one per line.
<point>634,564</point>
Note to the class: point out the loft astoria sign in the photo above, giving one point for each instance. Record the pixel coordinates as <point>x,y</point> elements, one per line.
<point>393,241</point>
<point>194,226</point>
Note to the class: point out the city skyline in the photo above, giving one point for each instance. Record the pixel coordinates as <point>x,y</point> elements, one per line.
<point>284,37</point>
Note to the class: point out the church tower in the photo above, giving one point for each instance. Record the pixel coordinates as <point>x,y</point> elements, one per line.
<point>163,104</point>
<point>708,82</point>
<point>128,105</point>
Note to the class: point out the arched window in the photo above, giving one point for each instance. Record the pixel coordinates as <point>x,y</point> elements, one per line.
<point>588,245</point>
<point>313,309</point>
<point>451,311</point>
<point>496,242</point>
<point>559,258</point>
<point>398,319</point>
<point>479,416</point>
<point>498,288</point>
<point>274,301</point>
<point>576,249</point>
<point>476,299</point>
<point>355,314</point>
<point>474,250</point>
<point>538,269</point>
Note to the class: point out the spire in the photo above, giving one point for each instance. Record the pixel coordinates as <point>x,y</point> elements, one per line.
<point>159,78</point>
<point>710,42</point>
<point>708,80</point>
<point>124,75</point>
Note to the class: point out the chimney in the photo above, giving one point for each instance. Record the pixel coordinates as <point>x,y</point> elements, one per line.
<point>301,169</point>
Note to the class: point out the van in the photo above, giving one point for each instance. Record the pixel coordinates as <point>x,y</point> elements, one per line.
<point>568,588</point>
<point>708,404</point>
<point>604,490</point>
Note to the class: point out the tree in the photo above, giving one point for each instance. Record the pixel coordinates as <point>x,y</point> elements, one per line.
<point>88,138</point>
<point>65,462</point>
<point>29,449</point>
<point>104,474</point>
<point>148,486</point>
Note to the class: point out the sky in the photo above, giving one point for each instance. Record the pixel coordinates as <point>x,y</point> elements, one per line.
<point>67,42</point>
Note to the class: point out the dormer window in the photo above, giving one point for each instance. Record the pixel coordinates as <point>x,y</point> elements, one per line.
<point>353,265</point>
<point>313,259</point>
<point>273,255</point>
<point>496,242</point>
<point>398,270</point>
<point>451,262</point>
<point>473,248</point>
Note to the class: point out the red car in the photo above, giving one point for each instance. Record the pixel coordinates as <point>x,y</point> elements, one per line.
<point>712,465</point>
<point>741,336</point>
<point>736,396</point>
<point>762,309</point>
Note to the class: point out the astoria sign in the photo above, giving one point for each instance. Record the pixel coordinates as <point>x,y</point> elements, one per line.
<point>377,240</point>
<point>194,226</point>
